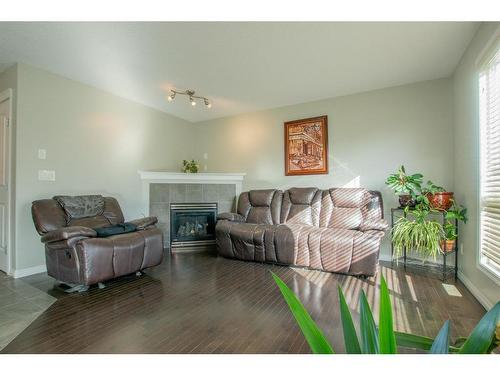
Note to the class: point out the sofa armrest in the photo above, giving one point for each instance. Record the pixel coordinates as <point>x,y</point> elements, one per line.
<point>144,222</point>
<point>375,233</point>
<point>231,216</point>
<point>66,233</point>
<point>369,225</point>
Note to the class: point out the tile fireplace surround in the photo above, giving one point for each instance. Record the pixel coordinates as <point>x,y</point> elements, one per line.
<point>159,189</point>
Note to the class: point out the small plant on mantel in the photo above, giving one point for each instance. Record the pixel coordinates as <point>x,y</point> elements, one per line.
<point>383,339</point>
<point>190,166</point>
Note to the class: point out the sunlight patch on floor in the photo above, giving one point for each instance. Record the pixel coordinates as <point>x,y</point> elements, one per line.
<point>318,278</point>
<point>410,287</point>
<point>451,290</point>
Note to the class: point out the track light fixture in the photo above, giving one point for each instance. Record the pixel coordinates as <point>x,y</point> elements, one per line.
<point>191,95</point>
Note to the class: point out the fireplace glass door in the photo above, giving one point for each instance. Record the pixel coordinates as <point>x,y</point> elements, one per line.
<point>192,224</point>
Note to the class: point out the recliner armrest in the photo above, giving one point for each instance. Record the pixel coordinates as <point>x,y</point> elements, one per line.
<point>379,224</point>
<point>144,222</point>
<point>66,233</point>
<point>231,216</point>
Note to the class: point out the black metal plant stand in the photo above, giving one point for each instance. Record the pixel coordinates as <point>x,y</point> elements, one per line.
<point>446,270</point>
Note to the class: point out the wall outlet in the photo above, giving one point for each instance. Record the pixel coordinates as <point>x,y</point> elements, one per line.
<point>46,175</point>
<point>42,154</point>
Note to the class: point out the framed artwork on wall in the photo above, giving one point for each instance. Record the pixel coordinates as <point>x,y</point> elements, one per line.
<point>306,146</point>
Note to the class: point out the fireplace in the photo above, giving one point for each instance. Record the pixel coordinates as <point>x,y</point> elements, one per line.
<point>192,225</point>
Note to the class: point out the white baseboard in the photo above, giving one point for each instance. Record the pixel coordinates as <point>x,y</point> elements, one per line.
<point>385,257</point>
<point>483,300</point>
<point>23,272</point>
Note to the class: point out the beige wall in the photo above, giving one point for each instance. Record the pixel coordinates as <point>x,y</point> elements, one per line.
<point>466,174</point>
<point>96,142</point>
<point>370,135</point>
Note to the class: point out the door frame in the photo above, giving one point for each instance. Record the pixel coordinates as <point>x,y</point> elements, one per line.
<point>8,95</point>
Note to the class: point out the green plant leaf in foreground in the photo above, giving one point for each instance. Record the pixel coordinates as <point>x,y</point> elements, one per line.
<point>483,334</point>
<point>387,340</point>
<point>441,344</point>
<point>409,340</point>
<point>314,337</point>
<point>350,338</point>
<point>369,337</point>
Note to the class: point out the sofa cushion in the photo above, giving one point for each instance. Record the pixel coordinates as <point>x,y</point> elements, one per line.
<point>81,206</point>
<point>302,195</point>
<point>260,215</point>
<point>261,198</point>
<point>261,206</point>
<point>347,207</point>
<point>301,206</point>
<point>349,197</point>
<point>346,218</point>
<point>98,221</point>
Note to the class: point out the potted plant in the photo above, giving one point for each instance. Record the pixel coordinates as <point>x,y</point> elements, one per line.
<point>437,197</point>
<point>450,238</point>
<point>190,166</point>
<point>458,213</point>
<point>405,186</point>
<point>419,234</point>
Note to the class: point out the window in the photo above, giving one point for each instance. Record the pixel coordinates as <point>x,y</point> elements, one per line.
<point>489,104</point>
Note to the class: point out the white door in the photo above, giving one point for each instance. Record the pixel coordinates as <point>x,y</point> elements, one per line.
<point>4,184</point>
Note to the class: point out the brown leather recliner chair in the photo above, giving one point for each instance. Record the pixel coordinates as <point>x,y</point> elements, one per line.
<point>74,253</point>
<point>336,230</point>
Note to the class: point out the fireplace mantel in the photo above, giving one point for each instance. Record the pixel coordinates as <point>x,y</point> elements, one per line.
<point>164,177</point>
<point>191,178</point>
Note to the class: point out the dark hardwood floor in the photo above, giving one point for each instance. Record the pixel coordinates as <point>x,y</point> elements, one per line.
<point>201,303</point>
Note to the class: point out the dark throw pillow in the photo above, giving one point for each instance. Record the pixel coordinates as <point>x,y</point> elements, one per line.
<point>81,206</point>
<point>115,229</point>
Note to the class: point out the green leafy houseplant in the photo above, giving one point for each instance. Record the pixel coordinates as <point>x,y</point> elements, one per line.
<point>406,186</point>
<point>382,339</point>
<point>456,213</point>
<point>190,166</point>
<point>421,234</point>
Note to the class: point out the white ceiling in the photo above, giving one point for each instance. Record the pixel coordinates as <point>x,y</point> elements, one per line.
<point>241,67</point>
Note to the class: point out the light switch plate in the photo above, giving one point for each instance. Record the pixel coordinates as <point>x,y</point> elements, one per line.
<point>46,175</point>
<point>42,154</point>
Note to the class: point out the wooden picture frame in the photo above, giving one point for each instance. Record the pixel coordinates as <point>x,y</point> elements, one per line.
<point>306,146</point>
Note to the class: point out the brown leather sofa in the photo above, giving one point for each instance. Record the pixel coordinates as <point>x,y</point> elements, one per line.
<point>74,254</point>
<point>336,230</point>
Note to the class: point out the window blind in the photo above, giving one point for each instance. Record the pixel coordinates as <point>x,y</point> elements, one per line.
<point>489,88</point>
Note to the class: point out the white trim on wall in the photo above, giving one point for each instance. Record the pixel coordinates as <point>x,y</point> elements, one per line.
<point>481,56</point>
<point>8,94</point>
<point>29,271</point>
<point>483,300</point>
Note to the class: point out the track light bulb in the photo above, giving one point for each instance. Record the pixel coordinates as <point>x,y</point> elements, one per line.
<point>171,97</point>
<point>193,103</point>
